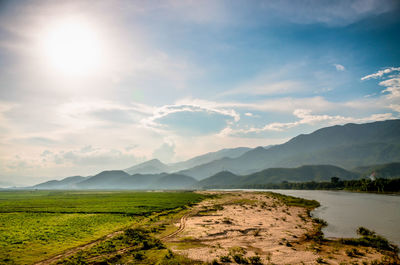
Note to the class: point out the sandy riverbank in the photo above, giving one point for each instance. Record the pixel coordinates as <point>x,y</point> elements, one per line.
<point>249,224</point>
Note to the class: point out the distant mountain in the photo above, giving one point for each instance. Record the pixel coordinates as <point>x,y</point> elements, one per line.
<point>316,173</point>
<point>347,146</point>
<point>111,179</point>
<point>203,171</point>
<point>155,166</point>
<point>118,179</point>
<point>66,183</point>
<point>305,173</point>
<point>221,179</point>
<point>390,170</point>
<point>173,181</point>
<point>206,158</point>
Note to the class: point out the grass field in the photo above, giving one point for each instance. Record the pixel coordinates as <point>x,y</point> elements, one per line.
<point>35,225</point>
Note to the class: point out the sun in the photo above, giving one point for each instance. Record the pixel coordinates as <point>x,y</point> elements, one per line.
<point>72,47</point>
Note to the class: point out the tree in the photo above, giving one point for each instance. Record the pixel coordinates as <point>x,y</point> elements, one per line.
<point>335,180</point>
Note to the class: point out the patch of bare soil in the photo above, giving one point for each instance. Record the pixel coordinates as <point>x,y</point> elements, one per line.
<point>245,224</point>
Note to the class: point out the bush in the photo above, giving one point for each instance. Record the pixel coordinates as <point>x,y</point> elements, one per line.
<point>320,221</point>
<point>139,256</point>
<point>255,260</point>
<point>370,239</point>
<point>225,259</point>
<point>239,259</point>
<point>353,252</point>
<point>137,234</point>
<point>362,231</point>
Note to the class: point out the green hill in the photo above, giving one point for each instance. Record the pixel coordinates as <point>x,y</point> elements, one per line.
<point>389,171</point>
<point>278,175</point>
<point>118,179</point>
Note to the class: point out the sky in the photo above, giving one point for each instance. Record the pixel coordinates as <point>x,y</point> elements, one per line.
<point>87,86</point>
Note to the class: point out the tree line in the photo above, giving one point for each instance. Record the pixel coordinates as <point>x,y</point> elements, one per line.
<point>379,185</point>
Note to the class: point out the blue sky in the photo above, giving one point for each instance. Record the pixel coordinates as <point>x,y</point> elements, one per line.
<point>93,85</point>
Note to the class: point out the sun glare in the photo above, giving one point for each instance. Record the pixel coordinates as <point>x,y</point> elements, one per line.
<point>72,48</point>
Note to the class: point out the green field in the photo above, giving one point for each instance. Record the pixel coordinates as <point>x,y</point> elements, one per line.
<point>35,225</point>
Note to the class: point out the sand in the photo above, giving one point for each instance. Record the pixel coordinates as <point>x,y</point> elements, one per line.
<point>256,224</point>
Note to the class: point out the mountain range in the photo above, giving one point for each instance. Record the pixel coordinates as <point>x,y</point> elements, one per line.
<point>306,173</point>
<point>346,151</point>
<point>118,179</point>
<point>156,166</point>
<point>347,146</point>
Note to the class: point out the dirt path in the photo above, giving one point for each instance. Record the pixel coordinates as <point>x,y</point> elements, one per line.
<point>75,250</point>
<point>182,226</point>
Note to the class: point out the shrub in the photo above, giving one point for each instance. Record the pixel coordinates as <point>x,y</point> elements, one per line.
<point>237,250</point>
<point>239,259</point>
<point>370,239</point>
<point>255,260</point>
<point>354,252</point>
<point>225,259</point>
<point>320,221</point>
<point>227,221</point>
<point>139,256</point>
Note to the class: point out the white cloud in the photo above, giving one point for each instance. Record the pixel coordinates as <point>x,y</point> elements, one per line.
<point>392,87</point>
<point>391,84</point>
<point>165,152</point>
<point>305,117</point>
<point>339,67</point>
<point>86,159</point>
<point>395,107</point>
<point>380,73</point>
<point>160,114</point>
<point>276,105</point>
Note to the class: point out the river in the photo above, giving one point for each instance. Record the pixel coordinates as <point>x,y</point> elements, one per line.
<point>346,211</point>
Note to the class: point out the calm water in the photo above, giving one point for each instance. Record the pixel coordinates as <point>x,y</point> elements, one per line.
<point>346,211</point>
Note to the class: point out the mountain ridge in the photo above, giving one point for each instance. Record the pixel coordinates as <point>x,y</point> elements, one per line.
<point>346,146</point>
<point>155,166</point>
<point>276,175</point>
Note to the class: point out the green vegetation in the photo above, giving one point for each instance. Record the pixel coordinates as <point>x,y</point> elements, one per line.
<point>369,238</point>
<point>390,170</point>
<point>295,201</point>
<point>27,237</point>
<point>35,225</point>
<point>111,202</point>
<point>226,179</point>
<point>379,185</point>
<point>134,246</point>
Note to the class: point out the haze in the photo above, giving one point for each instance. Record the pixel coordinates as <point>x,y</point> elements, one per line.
<point>92,85</point>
